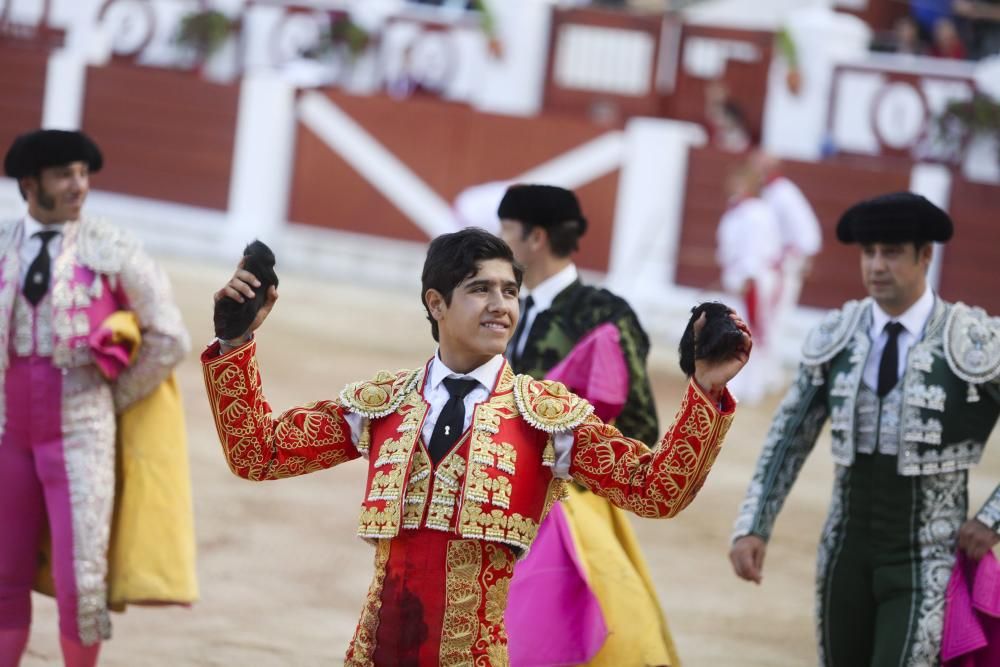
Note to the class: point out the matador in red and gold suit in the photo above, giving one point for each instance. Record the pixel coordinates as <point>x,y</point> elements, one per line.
<point>447,534</point>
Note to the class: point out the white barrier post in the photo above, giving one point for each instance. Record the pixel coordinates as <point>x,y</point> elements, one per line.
<point>650,204</point>
<point>65,82</point>
<point>934,182</point>
<point>262,162</point>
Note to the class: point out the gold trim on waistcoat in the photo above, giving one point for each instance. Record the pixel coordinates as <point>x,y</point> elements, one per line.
<point>362,650</point>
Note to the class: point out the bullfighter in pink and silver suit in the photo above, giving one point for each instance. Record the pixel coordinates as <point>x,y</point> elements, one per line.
<point>61,276</point>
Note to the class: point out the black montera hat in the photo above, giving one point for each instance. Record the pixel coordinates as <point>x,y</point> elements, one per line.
<point>33,151</point>
<point>541,206</point>
<point>900,217</point>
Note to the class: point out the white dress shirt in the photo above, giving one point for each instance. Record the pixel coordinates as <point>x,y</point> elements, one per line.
<point>542,296</point>
<point>436,395</point>
<point>30,244</point>
<point>913,320</point>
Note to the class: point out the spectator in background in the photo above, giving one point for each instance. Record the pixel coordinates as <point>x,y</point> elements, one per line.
<point>748,252</point>
<point>928,12</point>
<point>983,18</point>
<point>727,123</point>
<point>946,42</point>
<point>801,235</point>
<point>906,37</point>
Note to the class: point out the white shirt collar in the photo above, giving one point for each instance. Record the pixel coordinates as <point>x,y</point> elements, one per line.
<point>546,291</point>
<point>486,374</point>
<point>914,319</point>
<point>32,226</point>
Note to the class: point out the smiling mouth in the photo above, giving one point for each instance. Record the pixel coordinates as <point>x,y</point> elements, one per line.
<point>495,326</point>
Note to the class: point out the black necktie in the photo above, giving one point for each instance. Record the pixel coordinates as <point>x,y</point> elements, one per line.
<point>888,367</point>
<point>519,331</point>
<point>37,282</point>
<point>451,421</point>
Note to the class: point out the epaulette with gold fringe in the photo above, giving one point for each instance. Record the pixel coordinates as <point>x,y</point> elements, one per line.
<point>381,395</point>
<point>549,406</point>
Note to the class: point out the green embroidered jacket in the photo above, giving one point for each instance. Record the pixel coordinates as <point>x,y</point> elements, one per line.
<point>574,313</point>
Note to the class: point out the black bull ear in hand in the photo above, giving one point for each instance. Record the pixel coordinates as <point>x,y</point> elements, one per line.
<point>723,336</point>
<point>232,319</point>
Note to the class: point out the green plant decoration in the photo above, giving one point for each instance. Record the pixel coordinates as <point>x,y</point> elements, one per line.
<point>204,32</point>
<point>964,119</point>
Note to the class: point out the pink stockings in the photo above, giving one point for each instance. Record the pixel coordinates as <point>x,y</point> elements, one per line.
<point>76,654</point>
<point>13,642</point>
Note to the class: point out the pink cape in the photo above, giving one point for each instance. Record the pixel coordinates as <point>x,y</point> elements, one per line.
<point>553,617</point>
<point>971,636</point>
<point>595,369</point>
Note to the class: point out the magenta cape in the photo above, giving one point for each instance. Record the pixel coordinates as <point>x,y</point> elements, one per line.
<point>971,636</point>
<point>553,617</point>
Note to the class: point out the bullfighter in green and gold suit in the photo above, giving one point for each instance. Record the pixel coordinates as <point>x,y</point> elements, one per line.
<point>911,386</point>
<point>543,225</point>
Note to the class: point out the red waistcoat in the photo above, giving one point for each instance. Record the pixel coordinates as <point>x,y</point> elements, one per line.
<point>495,484</point>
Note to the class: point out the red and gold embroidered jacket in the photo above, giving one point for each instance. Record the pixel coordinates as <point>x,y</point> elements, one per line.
<point>496,484</point>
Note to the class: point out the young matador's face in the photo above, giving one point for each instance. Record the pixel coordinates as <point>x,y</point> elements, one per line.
<point>481,317</point>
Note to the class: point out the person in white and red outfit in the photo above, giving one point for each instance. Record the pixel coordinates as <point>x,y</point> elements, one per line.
<point>801,235</point>
<point>749,251</point>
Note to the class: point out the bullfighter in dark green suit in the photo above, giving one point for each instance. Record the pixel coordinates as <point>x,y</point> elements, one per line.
<point>909,383</point>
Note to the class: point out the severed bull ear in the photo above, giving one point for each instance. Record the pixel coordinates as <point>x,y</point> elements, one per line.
<point>232,319</point>
<point>718,340</point>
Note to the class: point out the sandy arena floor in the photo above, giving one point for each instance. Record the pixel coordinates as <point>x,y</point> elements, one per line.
<point>283,577</point>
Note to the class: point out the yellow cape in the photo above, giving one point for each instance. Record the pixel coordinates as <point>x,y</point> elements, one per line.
<point>617,574</point>
<point>151,558</point>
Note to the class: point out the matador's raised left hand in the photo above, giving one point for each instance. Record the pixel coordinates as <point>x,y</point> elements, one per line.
<point>712,376</point>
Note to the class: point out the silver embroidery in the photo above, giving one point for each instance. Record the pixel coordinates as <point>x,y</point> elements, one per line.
<point>866,423</point>
<point>923,396</point>
<point>165,340</point>
<point>824,342</point>
<point>877,427</point>
<point>10,278</point>
<point>840,418</point>
<point>921,359</point>
<point>843,385</point>
<point>972,344</point>
<point>24,327</point>
<point>843,425</point>
<point>829,542</point>
<point>918,430</point>
<point>990,512</point>
<point>104,247</point>
<point>89,451</point>
<point>942,512</point>
<point>64,327</point>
